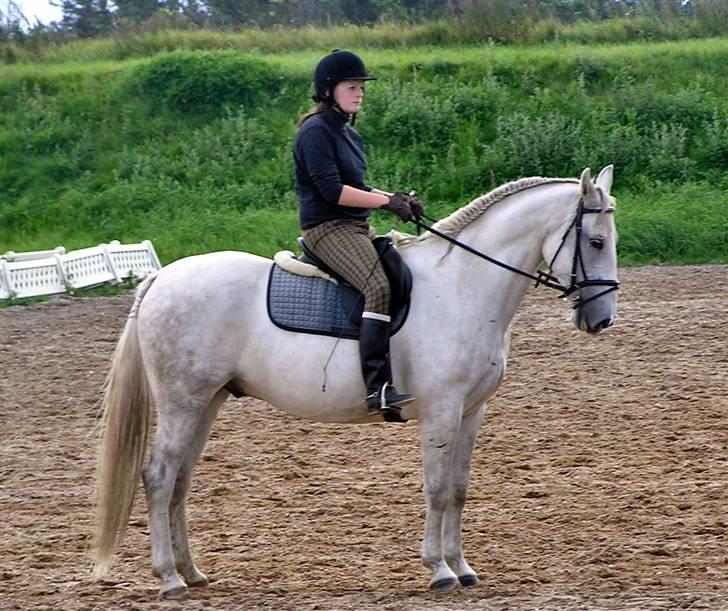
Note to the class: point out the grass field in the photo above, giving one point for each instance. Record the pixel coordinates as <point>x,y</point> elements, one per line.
<point>192,148</point>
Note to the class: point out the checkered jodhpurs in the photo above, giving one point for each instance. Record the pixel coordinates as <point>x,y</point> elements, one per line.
<point>345,246</point>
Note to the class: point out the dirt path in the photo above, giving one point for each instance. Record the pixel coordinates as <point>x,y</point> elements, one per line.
<point>600,479</point>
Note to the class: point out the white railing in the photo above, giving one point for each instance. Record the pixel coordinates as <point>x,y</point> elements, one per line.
<point>46,272</point>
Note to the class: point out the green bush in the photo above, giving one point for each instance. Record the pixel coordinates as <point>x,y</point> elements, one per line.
<point>193,149</point>
<point>667,159</point>
<point>669,222</point>
<point>194,81</point>
<point>713,145</point>
<point>535,145</point>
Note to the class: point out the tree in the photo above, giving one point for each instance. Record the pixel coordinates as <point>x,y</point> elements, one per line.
<point>137,11</point>
<point>86,18</point>
<point>249,12</point>
<point>12,21</point>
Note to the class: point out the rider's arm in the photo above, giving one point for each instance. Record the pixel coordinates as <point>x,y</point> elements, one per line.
<point>358,198</point>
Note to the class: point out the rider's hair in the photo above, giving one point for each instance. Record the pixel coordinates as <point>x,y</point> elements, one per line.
<point>314,110</point>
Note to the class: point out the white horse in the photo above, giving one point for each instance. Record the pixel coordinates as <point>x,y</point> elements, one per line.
<point>200,328</point>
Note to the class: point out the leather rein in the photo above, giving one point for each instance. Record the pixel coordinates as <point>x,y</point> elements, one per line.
<point>547,278</point>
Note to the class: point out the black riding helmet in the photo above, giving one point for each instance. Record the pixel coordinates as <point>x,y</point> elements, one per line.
<point>336,67</point>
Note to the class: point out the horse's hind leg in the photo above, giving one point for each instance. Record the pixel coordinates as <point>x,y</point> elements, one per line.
<point>178,518</point>
<point>177,423</point>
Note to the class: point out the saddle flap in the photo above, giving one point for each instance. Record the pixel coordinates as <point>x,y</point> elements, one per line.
<point>310,304</point>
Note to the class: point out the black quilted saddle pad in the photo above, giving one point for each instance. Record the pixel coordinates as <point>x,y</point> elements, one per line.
<point>314,305</point>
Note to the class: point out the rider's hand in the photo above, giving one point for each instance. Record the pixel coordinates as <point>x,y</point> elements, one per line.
<point>415,204</point>
<point>399,206</point>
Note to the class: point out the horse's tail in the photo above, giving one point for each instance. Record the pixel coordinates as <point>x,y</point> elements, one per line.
<point>125,428</point>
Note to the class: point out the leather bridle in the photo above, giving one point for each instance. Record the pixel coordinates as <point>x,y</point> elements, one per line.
<point>547,278</point>
<point>577,262</point>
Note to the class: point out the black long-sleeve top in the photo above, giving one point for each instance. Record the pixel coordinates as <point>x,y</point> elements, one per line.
<point>328,154</point>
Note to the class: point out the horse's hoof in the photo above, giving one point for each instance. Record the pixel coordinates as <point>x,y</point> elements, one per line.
<point>444,585</point>
<point>202,583</point>
<point>468,581</point>
<point>175,593</point>
<point>193,577</point>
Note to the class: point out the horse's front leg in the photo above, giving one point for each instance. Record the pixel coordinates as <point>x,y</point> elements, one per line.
<point>452,533</point>
<point>437,437</point>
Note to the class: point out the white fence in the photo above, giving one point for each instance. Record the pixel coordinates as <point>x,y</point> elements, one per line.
<point>55,271</point>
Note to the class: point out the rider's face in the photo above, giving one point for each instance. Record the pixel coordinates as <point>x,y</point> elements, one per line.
<point>349,95</point>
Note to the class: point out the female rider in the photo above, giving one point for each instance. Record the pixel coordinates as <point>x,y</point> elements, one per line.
<point>335,202</point>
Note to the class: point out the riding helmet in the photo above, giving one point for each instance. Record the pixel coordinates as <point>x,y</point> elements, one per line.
<point>337,66</point>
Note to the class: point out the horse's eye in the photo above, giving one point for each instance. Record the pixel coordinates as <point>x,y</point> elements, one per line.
<point>597,243</point>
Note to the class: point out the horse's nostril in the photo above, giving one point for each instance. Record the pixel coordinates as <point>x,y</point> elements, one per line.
<point>601,325</point>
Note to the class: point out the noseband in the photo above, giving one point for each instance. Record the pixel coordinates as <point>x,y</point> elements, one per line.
<point>547,279</point>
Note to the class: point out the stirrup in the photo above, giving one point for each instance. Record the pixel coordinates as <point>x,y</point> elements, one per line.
<point>377,401</point>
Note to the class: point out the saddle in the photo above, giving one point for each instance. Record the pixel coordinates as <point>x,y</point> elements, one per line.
<point>322,303</point>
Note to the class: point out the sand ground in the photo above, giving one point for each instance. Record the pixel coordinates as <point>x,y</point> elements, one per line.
<point>600,478</point>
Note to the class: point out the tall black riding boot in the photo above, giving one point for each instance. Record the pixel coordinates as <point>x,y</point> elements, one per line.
<point>374,351</point>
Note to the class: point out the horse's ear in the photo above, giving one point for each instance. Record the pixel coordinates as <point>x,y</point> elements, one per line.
<point>587,186</point>
<point>604,180</point>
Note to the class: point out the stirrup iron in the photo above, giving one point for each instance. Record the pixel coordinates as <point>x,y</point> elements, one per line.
<point>377,401</point>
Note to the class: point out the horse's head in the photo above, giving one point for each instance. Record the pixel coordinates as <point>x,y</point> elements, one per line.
<point>585,258</point>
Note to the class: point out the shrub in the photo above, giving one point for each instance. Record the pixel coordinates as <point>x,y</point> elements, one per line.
<point>540,145</point>
<point>667,157</point>
<point>713,144</point>
<point>193,81</point>
<point>182,147</point>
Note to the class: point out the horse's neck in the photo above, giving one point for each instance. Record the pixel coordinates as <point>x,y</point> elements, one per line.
<point>511,231</point>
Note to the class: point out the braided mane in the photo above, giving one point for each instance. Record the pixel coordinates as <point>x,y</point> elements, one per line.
<point>453,224</point>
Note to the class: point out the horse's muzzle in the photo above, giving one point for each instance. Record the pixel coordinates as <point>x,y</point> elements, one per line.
<point>600,326</point>
<point>596,308</point>
<point>593,318</point>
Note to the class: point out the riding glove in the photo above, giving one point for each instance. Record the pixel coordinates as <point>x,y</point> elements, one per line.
<point>415,204</point>
<point>399,206</point>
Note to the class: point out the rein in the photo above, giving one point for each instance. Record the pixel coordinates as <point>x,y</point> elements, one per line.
<point>546,279</point>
